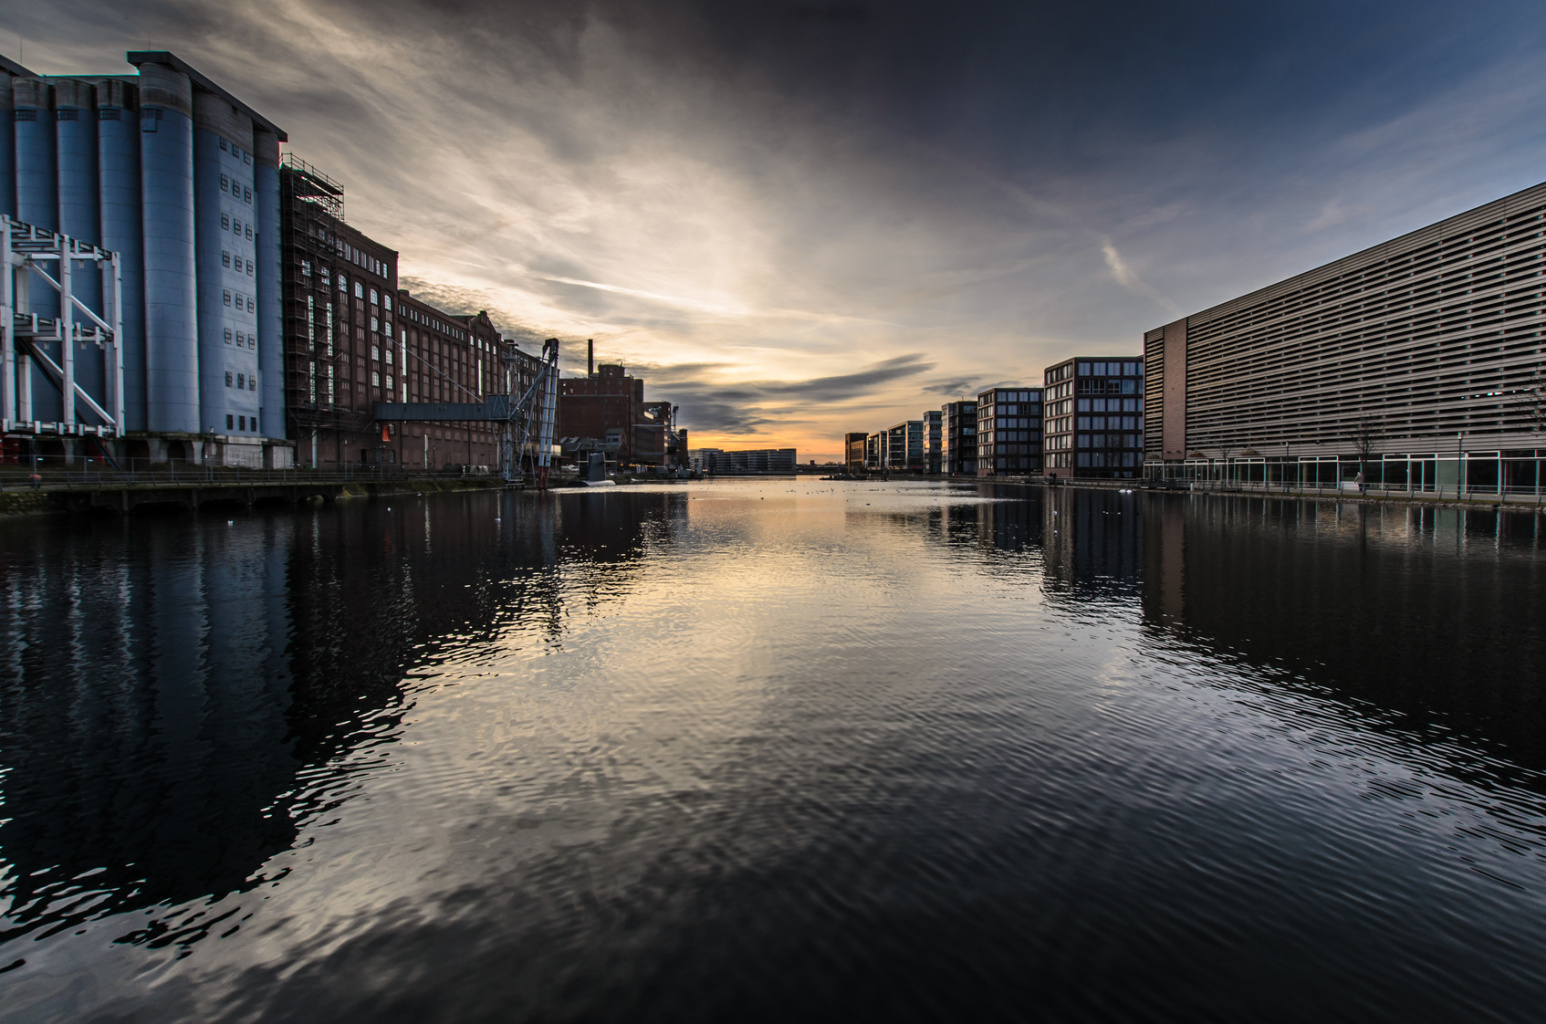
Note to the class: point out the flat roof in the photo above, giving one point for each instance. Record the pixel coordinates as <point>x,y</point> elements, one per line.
<point>171,60</point>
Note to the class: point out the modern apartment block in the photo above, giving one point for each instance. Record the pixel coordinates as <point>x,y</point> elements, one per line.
<point>1094,417</point>
<point>933,441</point>
<point>958,434</point>
<point>853,452</point>
<point>1009,432</point>
<point>180,179</point>
<point>875,451</point>
<point>904,447</point>
<point>1420,358</point>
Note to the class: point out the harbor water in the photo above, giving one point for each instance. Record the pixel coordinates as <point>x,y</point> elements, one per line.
<point>773,750</point>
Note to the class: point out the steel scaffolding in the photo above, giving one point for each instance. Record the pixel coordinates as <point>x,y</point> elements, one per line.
<point>27,254</point>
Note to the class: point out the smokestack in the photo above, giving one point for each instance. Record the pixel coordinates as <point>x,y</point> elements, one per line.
<point>590,357</point>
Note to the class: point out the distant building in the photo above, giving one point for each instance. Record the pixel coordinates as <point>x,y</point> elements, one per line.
<point>853,452</point>
<point>602,408</point>
<point>958,434</point>
<point>875,451</point>
<point>1094,418</point>
<point>1009,432</point>
<point>904,447</point>
<point>933,441</point>
<point>754,461</point>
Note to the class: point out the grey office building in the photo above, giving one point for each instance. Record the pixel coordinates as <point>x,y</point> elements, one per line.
<point>1420,359</point>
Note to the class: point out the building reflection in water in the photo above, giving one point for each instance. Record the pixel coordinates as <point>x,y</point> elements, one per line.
<point>1420,621</point>
<point>179,698</point>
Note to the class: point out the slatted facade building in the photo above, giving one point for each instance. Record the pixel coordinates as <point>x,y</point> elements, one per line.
<point>1420,360</point>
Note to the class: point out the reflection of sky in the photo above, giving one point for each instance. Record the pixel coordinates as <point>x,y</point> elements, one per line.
<point>800,222</point>
<point>790,708</point>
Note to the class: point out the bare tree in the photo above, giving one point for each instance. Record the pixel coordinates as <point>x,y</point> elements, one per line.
<point>1364,430</point>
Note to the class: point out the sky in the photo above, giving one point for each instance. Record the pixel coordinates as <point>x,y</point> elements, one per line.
<point>800,219</point>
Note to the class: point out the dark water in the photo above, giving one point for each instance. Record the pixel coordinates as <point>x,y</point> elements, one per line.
<point>775,750</point>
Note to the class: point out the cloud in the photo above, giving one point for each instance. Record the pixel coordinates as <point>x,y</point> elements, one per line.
<point>1128,279</point>
<point>789,212</point>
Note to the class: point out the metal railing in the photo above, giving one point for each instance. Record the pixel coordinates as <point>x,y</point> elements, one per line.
<point>1491,492</point>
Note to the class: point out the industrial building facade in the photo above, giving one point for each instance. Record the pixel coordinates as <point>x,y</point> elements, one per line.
<point>179,179</point>
<point>1094,417</point>
<point>1419,361</point>
<point>1009,425</point>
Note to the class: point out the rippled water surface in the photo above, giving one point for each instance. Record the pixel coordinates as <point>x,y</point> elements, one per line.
<point>775,750</point>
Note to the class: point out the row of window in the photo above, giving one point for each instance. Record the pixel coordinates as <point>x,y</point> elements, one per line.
<point>229,223</point>
<point>227,260</point>
<point>1110,405</point>
<point>240,422</point>
<point>1110,423</point>
<point>235,150</point>
<point>236,188</point>
<point>244,339</point>
<point>431,322</point>
<point>1126,369</point>
<point>1110,441</point>
<point>240,301</point>
<point>361,258</point>
<point>1105,460</point>
<point>1107,386</point>
<point>244,381</point>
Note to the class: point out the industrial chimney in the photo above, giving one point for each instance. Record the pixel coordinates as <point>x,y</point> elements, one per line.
<point>590,357</point>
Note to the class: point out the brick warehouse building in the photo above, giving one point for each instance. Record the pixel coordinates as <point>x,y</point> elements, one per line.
<point>353,338</point>
<point>605,411</point>
<point>1420,359</point>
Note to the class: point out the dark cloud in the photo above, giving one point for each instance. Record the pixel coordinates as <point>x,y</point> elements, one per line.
<point>728,190</point>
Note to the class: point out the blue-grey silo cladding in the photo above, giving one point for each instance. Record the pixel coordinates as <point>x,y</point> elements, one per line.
<point>118,148</point>
<point>7,145</point>
<point>37,202</point>
<point>270,288</point>
<point>75,137</point>
<point>171,298</point>
<point>118,162</point>
<point>227,266</point>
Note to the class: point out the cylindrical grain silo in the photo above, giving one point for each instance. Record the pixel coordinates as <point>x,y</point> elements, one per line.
<point>171,301</point>
<point>75,137</point>
<point>37,179</point>
<point>118,148</point>
<point>37,203</point>
<point>224,199</point>
<point>7,147</point>
<point>270,284</point>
